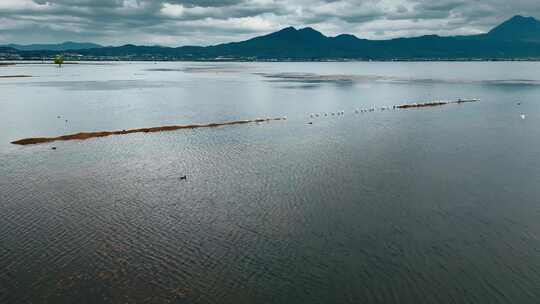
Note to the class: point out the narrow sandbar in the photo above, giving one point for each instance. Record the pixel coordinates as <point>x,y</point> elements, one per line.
<point>89,135</point>
<point>433,103</point>
<point>15,76</point>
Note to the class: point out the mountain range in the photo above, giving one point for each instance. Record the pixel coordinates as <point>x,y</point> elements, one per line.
<point>516,38</point>
<point>65,46</point>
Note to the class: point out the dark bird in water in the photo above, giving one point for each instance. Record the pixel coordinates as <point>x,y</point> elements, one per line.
<point>183,177</point>
<point>53,148</point>
<point>519,103</point>
<point>310,123</point>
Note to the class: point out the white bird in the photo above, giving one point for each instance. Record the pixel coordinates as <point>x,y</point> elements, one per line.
<point>522,116</point>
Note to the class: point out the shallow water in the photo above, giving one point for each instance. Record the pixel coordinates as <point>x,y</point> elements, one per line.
<point>436,205</point>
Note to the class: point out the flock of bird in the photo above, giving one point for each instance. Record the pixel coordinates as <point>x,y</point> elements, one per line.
<point>356,111</point>
<point>371,109</point>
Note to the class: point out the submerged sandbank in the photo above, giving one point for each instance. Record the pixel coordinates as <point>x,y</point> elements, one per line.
<point>88,135</point>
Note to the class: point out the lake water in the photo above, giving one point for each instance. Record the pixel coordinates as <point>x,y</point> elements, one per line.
<point>433,205</point>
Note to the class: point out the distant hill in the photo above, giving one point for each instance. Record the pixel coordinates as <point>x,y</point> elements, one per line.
<point>516,38</point>
<point>525,29</point>
<point>68,45</point>
<point>7,53</point>
<point>6,49</point>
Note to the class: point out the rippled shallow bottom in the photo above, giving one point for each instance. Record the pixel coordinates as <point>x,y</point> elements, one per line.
<point>436,205</point>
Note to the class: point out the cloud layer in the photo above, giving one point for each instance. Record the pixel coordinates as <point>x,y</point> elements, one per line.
<point>204,22</point>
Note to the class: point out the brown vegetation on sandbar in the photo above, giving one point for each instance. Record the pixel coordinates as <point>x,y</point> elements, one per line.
<point>88,135</point>
<point>15,76</point>
<point>433,103</point>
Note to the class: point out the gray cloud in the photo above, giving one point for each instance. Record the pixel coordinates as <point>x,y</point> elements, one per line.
<point>180,22</point>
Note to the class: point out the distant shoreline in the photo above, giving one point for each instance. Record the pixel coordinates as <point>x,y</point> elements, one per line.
<point>50,61</point>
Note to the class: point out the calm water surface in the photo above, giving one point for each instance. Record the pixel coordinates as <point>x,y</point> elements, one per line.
<point>438,205</point>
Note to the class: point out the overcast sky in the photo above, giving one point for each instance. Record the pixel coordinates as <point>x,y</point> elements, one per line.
<point>205,22</point>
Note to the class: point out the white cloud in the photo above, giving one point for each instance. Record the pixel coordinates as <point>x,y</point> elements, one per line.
<point>173,10</point>
<point>20,5</point>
